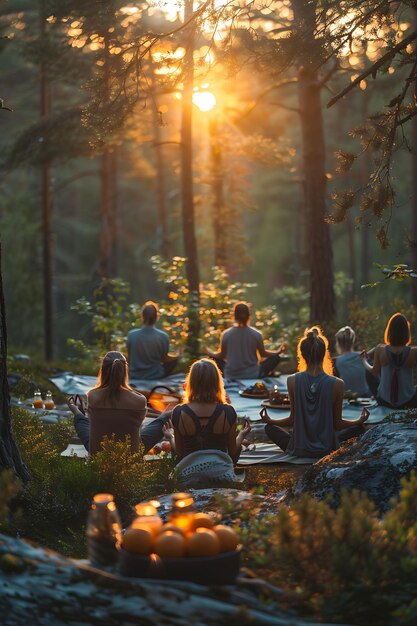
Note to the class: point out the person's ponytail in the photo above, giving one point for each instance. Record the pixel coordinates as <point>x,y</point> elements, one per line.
<point>113,375</point>
<point>312,349</point>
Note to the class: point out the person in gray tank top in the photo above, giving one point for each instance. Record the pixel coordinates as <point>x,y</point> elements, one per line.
<point>242,353</point>
<point>393,362</point>
<point>316,398</point>
<point>348,365</point>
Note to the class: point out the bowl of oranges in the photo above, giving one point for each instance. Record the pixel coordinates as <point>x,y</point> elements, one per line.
<point>201,551</point>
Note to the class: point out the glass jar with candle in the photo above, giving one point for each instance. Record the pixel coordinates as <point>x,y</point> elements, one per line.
<point>49,402</point>
<point>104,530</point>
<point>37,401</point>
<point>182,510</point>
<point>147,517</point>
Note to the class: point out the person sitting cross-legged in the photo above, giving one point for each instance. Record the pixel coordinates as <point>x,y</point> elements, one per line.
<point>205,421</point>
<point>394,361</point>
<point>242,353</point>
<point>148,348</point>
<point>349,366</point>
<point>316,398</point>
<point>115,409</point>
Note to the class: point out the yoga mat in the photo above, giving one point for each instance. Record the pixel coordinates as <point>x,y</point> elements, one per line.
<point>269,453</point>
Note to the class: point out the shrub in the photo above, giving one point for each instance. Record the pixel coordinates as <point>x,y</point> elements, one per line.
<point>54,504</point>
<point>346,564</point>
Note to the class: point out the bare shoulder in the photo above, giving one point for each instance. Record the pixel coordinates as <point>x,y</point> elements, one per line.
<point>339,385</point>
<point>291,381</point>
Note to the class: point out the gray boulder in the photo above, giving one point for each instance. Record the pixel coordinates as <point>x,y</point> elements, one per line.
<point>374,464</point>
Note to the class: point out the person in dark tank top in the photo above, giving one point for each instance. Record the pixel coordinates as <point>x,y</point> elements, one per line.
<point>316,398</point>
<point>394,361</point>
<point>206,421</point>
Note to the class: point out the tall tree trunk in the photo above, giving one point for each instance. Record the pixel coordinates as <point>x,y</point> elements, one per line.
<point>217,182</point>
<point>414,210</point>
<point>9,452</point>
<point>161,193</point>
<point>350,229</point>
<point>365,171</point>
<point>45,105</point>
<point>413,234</point>
<point>188,218</point>
<point>320,255</point>
<point>107,266</point>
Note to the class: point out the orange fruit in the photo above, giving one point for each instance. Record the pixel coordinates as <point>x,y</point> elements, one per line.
<point>173,528</point>
<point>138,541</point>
<point>201,520</point>
<point>203,542</point>
<point>227,537</point>
<point>170,544</point>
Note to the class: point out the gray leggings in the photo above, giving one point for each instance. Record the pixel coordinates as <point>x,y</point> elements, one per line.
<point>281,437</point>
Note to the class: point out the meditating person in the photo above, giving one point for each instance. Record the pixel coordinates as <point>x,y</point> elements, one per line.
<point>316,398</point>
<point>205,421</point>
<point>348,365</point>
<point>148,348</point>
<point>115,409</point>
<point>393,362</point>
<point>242,353</point>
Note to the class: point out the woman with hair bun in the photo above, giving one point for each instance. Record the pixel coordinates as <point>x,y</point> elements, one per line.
<point>115,409</point>
<point>393,362</point>
<point>348,364</point>
<point>316,398</point>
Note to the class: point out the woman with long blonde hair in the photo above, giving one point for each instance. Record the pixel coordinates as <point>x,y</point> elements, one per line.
<point>205,421</point>
<point>316,398</point>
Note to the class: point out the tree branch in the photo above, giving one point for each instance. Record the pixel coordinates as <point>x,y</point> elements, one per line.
<point>374,68</point>
<point>284,83</point>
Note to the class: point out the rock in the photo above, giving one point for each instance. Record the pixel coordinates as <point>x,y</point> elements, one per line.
<point>41,587</point>
<point>209,500</point>
<point>374,464</point>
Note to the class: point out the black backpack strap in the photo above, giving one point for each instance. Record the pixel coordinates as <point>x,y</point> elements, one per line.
<point>208,428</point>
<point>186,409</point>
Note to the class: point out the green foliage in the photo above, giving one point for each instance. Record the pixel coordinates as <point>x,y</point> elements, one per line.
<point>111,318</point>
<point>283,320</point>
<point>369,323</point>
<point>399,272</point>
<point>346,565</point>
<point>54,504</point>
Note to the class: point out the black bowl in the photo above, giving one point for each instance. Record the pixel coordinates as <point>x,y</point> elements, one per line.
<point>220,569</point>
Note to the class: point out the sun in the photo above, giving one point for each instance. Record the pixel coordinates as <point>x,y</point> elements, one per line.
<point>204,100</point>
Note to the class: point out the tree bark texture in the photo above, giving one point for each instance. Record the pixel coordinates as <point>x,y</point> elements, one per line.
<point>9,452</point>
<point>217,182</point>
<point>107,266</point>
<point>188,217</point>
<point>365,173</point>
<point>320,255</point>
<point>42,587</point>
<point>45,107</point>
<point>108,210</point>
<point>414,208</point>
<point>161,188</point>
